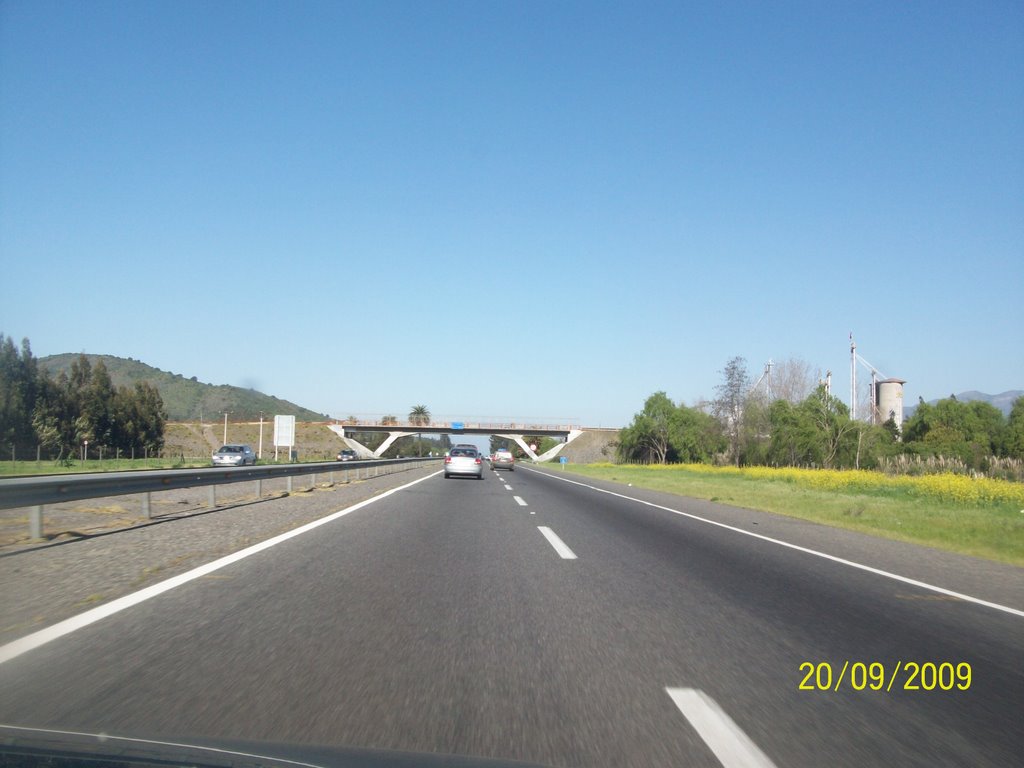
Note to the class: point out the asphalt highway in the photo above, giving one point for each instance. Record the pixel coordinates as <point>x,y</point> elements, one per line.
<point>527,617</point>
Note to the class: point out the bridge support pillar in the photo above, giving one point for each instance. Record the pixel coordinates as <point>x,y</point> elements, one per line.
<point>392,436</point>
<point>548,455</point>
<point>361,450</point>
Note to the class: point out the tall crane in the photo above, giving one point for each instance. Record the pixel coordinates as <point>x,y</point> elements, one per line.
<point>766,377</point>
<point>875,374</point>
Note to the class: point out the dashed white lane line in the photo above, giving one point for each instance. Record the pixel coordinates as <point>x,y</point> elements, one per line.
<point>520,502</point>
<point>508,487</point>
<point>731,745</point>
<point>563,551</point>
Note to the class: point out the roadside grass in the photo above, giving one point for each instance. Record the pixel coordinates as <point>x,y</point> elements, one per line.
<point>979,517</point>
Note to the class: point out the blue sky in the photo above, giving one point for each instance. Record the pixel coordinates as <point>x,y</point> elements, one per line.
<point>515,210</point>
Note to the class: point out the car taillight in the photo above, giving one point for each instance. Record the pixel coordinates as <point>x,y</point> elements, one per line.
<point>478,460</point>
<point>447,459</point>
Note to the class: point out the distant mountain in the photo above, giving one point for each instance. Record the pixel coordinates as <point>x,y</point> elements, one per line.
<point>1003,401</point>
<point>187,399</point>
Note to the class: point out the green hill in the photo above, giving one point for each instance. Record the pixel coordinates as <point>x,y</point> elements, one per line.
<point>186,399</point>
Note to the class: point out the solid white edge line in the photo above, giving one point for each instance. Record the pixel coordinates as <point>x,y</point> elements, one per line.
<point>732,747</point>
<point>520,501</point>
<point>816,553</point>
<point>30,642</point>
<point>129,740</point>
<point>563,551</point>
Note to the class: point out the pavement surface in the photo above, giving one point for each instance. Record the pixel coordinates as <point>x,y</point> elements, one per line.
<point>529,616</point>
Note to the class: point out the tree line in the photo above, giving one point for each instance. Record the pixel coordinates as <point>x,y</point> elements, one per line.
<point>807,426</point>
<point>61,413</point>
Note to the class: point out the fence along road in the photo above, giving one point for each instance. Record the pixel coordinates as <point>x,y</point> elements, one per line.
<point>37,492</point>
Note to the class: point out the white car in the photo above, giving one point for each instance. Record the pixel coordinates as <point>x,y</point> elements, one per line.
<point>503,459</point>
<point>464,461</point>
<point>234,456</point>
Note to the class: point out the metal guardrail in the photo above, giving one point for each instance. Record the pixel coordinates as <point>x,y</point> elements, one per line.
<point>37,492</point>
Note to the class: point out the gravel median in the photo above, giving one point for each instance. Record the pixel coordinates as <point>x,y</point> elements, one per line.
<point>100,549</point>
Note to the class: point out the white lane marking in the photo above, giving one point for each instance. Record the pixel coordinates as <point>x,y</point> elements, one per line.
<point>816,553</point>
<point>508,487</point>
<point>520,501</point>
<point>731,745</point>
<point>564,552</point>
<point>102,737</point>
<point>43,636</point>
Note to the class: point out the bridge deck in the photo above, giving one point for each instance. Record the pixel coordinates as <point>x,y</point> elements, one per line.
<point>465,429</point>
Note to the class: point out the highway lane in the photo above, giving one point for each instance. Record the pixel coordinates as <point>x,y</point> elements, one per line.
<point>771,609</point>
<point>442,619</point>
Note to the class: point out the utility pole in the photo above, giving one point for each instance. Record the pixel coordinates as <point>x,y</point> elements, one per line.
<point>853,378</point>
<point>226,427</point>
<point>259,453</point>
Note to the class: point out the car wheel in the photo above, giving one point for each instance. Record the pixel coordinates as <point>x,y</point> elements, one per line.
<point>446,476</point>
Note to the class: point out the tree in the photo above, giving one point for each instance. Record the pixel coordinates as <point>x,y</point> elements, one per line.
<point>793,439</point>
<point>19,377</point>
<point>388,421</point>
<point>419,415</point>
<point>647,438</point>
<point>817,431</point>
<point>1014,440</point>
<point>729,404</point>
<point>664,432</point>
<point>832,423</point>
<point>970,431</point>
<point>696,436</point>
<point>657,421</point>
<point>139,418</point>
<point>96,404</point>
<point>81,404</point>
<point>55,415</point>
<point>792,380</point>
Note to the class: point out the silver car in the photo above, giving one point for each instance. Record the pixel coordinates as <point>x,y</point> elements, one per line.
<point>464,461</point>
<point>234,456</point>
<point>503,459</point>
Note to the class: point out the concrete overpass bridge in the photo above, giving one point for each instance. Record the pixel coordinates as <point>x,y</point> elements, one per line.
<point>511,431</point>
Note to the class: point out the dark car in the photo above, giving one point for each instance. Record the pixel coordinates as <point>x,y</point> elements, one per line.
<point>347,455</point>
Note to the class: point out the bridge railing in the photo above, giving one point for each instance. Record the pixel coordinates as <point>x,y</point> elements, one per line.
<point>406,426</point>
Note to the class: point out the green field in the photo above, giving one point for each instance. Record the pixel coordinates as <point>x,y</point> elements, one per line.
<point>951,513</point>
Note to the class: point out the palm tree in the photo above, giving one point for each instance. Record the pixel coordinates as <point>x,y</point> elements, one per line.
<point>419,415</point>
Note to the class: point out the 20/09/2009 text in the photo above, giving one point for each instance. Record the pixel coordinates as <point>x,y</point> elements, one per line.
<point>876,676</point>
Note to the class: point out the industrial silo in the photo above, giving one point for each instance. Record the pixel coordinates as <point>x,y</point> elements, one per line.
<point>889,401</point>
